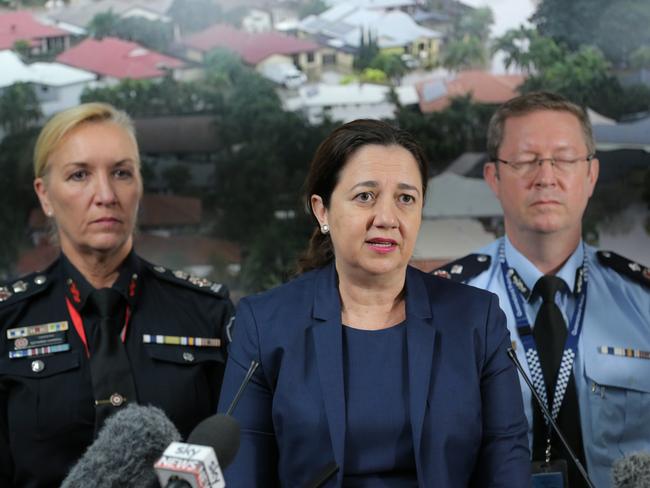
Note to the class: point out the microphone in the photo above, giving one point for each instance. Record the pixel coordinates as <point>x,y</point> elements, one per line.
<point>549,417</point>
<point>211,446</point>
<point>632,471</point>
<point>127,445</point>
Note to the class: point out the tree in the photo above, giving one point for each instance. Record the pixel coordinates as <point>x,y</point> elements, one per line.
<point>16,190</point>
<point>19,108</point>
<point>464,54</point>
<point>569,22</point>
<point>390,64</point>
<point>153,34</point>
<point>368,50</point>
<point>468,41</point>
<point>622,29</point>
<point>447,134</point>
<point>311,7</point>
<point>194,15</point>
<point>640,58</point>
<point>529,51</point>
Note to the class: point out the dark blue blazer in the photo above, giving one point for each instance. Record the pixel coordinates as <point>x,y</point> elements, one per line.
<point>466,411</point>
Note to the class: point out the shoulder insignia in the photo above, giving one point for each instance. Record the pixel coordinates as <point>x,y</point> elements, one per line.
<point>465,268</point>
<point>633,270</point>
<point>182,278</point>
<point>24,287</point>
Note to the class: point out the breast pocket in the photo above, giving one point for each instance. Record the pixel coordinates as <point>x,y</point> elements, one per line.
<point>620,401</point>
<point>44,394</point>
<point>185,381</point>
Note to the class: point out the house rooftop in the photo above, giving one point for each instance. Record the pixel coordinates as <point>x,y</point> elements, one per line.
<point>118,59</point>
<point>13,70</point>
<point>485,87</point>
<point>252,47</point>
<point>23,26</point>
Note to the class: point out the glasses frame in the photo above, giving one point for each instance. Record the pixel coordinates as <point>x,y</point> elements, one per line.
<point>537,162</point>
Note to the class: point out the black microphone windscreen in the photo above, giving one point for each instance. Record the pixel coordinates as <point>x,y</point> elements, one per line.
<point>632,471</point>
<point>221,432</point>
<point>125,450</point>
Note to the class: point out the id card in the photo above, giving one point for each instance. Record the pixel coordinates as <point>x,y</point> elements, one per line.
<point>550,475</point>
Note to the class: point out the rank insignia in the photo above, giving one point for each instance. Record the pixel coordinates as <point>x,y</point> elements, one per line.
<point>4,293</point>
<point>19,286</point>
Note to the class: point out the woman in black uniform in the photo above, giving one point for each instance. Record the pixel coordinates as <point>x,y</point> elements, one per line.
<point>101,327</point>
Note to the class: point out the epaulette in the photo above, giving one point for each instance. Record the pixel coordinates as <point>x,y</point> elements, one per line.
<point>182,278</point>
<point>23,287</point>
<point>465,268</point>
<point>633,270</point>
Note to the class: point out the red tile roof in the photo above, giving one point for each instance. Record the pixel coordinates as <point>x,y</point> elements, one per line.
<point>21,25</point>
<point>253,48</point>
<point>485,87</point>
<point>118,58</point>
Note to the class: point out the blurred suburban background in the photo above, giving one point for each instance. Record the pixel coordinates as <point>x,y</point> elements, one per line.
<point>231,98</point>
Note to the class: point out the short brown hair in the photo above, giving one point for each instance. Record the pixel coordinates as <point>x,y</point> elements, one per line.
<point>532,102</point>
<point>330,158</point>
<point>62,123</point>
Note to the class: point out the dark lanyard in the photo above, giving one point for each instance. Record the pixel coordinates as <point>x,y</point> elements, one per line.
<point>79,326</point>
<point>525,332</point>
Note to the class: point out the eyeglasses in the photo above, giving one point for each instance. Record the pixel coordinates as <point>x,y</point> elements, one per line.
<point>531,166</point>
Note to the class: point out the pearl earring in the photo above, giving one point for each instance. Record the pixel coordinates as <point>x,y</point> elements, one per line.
<point>324,229</point>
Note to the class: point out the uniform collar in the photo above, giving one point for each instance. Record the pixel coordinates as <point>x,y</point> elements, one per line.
<point>530,274</point>
<point>77,288</point>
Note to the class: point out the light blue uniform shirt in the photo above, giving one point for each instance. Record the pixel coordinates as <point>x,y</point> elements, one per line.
<point>613,391</point>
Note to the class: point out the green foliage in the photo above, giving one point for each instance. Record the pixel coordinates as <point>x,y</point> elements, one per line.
<point>447,134</point>
<point>468,41</point>
<point>569,22</point>
<point>622,29</point>
<point>194,15</point>
<point>18,197</point>
<point>529,51</point>
<point>616,28</point>
<point>23,48</point>
<point>476,23</point>
<point>19,108</point>
<point>371,75</point>
<point>157,97</point>
<point>153,34</point>
<point>640,57</point>
<point>390,64</point>
<point>177,178</point>
<point>464,54</point>
<point>311,7</point>
<point>368,50</point>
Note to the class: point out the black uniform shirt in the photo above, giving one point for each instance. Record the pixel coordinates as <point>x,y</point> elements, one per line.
<point>46,399</point>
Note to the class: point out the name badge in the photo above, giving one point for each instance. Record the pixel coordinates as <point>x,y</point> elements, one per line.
<point>553,474</point>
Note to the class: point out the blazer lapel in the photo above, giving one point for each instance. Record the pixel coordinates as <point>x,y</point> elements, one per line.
<point>420,337</point>
<point>328,343</point>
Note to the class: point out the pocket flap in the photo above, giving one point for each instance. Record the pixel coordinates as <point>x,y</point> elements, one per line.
<point>40,366</point>
<point>187,355</point>
<point>619,371</point>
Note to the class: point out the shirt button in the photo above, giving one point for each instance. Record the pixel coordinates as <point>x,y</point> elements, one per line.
<point>38,366</point>
<point>188,356</point>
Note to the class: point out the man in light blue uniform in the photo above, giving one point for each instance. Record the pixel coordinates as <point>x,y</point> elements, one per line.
<point>543,171</point>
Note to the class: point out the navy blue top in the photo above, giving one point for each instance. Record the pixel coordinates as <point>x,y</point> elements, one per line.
<point>378,439</point>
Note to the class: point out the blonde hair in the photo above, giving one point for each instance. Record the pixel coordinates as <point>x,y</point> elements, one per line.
<point>64,122</point>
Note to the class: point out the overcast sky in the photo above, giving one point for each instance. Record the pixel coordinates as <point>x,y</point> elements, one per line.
<point>507,13</point>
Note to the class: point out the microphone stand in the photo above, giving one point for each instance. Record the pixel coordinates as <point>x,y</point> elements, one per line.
<point>549,417</point>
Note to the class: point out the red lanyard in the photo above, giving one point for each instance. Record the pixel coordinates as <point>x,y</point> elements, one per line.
<point>79,326</point>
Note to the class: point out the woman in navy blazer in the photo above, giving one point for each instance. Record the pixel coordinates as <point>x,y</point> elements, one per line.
<point>391,375</point>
